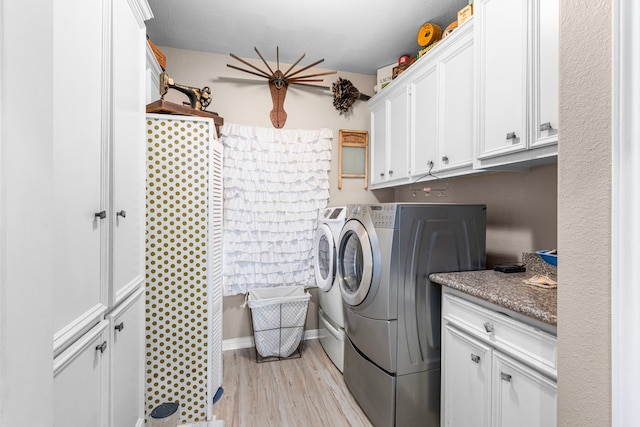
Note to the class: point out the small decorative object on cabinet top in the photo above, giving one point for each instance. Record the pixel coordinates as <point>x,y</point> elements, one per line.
<point>465,13</point>
<point>450,29</point>
<point>428,33</point>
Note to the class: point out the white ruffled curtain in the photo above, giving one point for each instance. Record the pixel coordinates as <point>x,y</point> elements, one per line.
<point>275,183</point>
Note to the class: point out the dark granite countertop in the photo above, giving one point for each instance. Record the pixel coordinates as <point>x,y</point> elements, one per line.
<point>508,290</point>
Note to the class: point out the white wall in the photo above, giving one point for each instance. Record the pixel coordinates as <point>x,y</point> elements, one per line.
<point>584,214</point>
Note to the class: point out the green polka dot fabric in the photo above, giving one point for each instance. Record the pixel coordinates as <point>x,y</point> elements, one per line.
<point>180,256</point>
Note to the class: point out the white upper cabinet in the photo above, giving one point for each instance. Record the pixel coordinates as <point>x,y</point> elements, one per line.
<point>502,76</point>
<point>378,155</point>
<point>424,116</point>
<point>397,138</point>
<point>544,108</point>
<point>389,138</point>
<point>423,120</point>
<point>80,141</point>
<point>455,98</point>
<point>517,81</point>
<point>127,166</point>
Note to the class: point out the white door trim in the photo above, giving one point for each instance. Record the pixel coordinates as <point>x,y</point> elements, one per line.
<point>625,233</point>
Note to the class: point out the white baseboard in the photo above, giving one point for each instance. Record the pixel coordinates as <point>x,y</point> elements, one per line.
<point>214,423</point>
<point>247,342</point>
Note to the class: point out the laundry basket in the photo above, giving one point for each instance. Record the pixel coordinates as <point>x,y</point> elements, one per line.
<point>278,316</point>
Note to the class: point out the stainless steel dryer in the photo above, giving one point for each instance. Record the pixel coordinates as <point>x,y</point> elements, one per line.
<point>392,310</point>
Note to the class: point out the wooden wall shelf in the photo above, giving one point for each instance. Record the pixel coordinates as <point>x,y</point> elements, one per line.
<point>165,107</point>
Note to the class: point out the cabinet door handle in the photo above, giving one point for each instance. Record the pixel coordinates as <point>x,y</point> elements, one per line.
<point>102,347</point>
<point>101,214</point>
<point>511,135</point>
<point>505,377</point>
<point>119,327</point>
<point>488,327</point>
<point>122,213</point>
<point>475,358</point>
<point>445,159</point>
<point>545,126</point>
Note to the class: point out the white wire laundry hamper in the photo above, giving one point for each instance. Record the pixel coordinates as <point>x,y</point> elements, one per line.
<point>278,317</point>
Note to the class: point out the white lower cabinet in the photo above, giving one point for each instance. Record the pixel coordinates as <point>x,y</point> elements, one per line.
<point>521,395</point>
<point>126,373</point>
<point>98,380</point>
<point>496,371</point>
<point>80,381</point>
<point>467,375</point>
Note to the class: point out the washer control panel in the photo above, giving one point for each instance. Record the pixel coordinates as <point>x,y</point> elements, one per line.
<point>383,216</point>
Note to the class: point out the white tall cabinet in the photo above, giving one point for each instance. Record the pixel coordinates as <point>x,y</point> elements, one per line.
<point>98,197</point>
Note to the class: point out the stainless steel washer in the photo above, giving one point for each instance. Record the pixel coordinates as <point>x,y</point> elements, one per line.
<point>330,311</point>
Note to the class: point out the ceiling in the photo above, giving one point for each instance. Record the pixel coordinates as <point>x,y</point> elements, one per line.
<point>357,36</point>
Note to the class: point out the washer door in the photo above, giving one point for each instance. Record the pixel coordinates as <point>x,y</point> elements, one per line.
<point>355,263</point>
<point>324,250</point>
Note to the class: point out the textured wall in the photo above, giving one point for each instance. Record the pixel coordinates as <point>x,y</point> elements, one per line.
<point>521,208</point>
<point>584,217</point>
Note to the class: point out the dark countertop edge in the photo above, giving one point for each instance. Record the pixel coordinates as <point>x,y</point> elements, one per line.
<point>506,291</point>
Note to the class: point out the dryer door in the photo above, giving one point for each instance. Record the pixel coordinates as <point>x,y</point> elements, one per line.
<point>355,263</point>
<point>324,251</point>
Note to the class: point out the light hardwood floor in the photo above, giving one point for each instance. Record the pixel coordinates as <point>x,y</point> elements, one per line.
<point>308,391</point>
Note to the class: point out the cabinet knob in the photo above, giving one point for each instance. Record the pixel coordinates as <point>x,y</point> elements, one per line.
<point>545,126</point>
<point>382,174</point>
<point>119,327</point>
<point>505,377</point>
<point>488,327</point>
<point>101,214</point>
<point>122,213</point>
<point>445,159</point>
<point>511,135</point>
<point>475,358</point>
<point>102,347</point>
<point>390,172</point>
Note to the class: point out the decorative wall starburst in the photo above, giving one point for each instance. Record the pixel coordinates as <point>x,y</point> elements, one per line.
<point>279,82</point>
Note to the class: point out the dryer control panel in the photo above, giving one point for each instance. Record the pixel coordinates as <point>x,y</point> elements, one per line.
<point>384,215</point>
